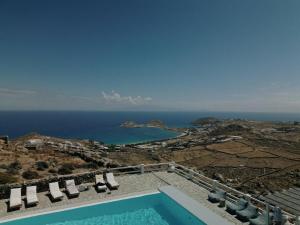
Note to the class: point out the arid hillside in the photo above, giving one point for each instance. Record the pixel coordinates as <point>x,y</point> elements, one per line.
<point>255,157</point>
<point>20,162</point>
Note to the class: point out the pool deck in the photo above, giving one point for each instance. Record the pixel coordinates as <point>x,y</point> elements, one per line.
<point>130,185</point>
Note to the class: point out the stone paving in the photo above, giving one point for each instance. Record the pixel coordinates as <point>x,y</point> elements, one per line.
<point>129,185</point>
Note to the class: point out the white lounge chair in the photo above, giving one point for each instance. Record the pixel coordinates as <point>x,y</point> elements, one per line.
<point>100,183</point>
<point>71,188</point>
<point>31,196</point>
<point>15,200</point>
<point>111,182</point>
<point>55,191</point>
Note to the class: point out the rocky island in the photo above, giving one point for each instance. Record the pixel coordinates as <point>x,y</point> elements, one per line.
<point>151,123</point>
<point>205,121</point>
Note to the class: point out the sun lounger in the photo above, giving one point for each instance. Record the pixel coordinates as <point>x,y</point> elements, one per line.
<point>100,183</point>
<point>249,212</point>
<point>15,200</point>
<point>111,182</point>
<point>31,196</point>
<point>238,205</point>
<point>55,191</point>
<point>71,188</point>
<point>217,195</point>
<point>261,219</point>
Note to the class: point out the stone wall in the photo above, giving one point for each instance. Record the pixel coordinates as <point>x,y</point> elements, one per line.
<point>80,178</point>
<point>43,184</point>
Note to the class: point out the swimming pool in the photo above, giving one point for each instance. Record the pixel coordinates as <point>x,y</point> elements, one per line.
<point>152,209</point>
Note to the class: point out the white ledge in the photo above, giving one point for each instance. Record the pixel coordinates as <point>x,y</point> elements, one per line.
<point>200,211</point>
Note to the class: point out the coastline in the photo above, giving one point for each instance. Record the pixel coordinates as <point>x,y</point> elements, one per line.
<point>158,124</point>
<point>105,126</point>
<point>182,134</point>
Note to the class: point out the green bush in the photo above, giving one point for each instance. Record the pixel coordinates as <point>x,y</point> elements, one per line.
<point>111,148</point>
<point>7,178</point>
<point>70,166</point>
<point>12,171</point>
<point>29,175</point>
<point>90,165</point>
<point>41,165</point>
<point>15,165</point>
<point>66,168</point>
<point>52,170</point>
<point>3,166</point>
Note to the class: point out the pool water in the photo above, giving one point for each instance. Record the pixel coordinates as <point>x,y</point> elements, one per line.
<point>152,209</point>
<point>138,217</point>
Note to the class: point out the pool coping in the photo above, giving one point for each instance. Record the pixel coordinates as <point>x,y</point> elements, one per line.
<point>78,205</point>
<point>194,207</point>
<point>197,209</point>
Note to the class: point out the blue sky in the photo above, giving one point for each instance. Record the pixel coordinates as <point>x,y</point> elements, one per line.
<point>189,55</point>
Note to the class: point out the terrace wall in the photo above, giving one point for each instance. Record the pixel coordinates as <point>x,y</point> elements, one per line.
<point>43,184</point>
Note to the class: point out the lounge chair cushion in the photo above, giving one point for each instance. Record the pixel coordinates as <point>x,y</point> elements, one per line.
<point>31,195</point>
<point>55,191</point>
<point>15,198</point>
<point>71,188</point>
<point>99,179</point>
<point>110,179</point>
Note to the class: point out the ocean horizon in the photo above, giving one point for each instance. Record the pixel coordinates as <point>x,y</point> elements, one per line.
<point>105,126</point>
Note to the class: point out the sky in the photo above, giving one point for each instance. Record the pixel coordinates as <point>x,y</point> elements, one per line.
<point>150,55</point>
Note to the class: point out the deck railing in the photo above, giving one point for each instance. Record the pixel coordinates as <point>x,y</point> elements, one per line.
<point>232,193</point>
<point>196,177</point>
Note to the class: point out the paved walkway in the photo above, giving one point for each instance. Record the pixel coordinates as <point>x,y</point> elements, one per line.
<point>129,185</point>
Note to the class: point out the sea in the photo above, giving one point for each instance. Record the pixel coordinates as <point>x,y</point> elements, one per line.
<point>105,126</point>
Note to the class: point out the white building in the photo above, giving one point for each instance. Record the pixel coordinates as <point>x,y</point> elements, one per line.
<point>34,144</point>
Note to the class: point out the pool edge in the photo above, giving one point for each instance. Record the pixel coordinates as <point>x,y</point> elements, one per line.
<point>79,205</point>
<point>194,207</point>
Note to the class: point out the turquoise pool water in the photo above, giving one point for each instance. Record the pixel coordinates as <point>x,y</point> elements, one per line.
<point>154,209</point>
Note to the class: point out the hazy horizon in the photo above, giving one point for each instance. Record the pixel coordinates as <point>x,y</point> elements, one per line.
<point>161,55</point>
<point>208,112</point>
